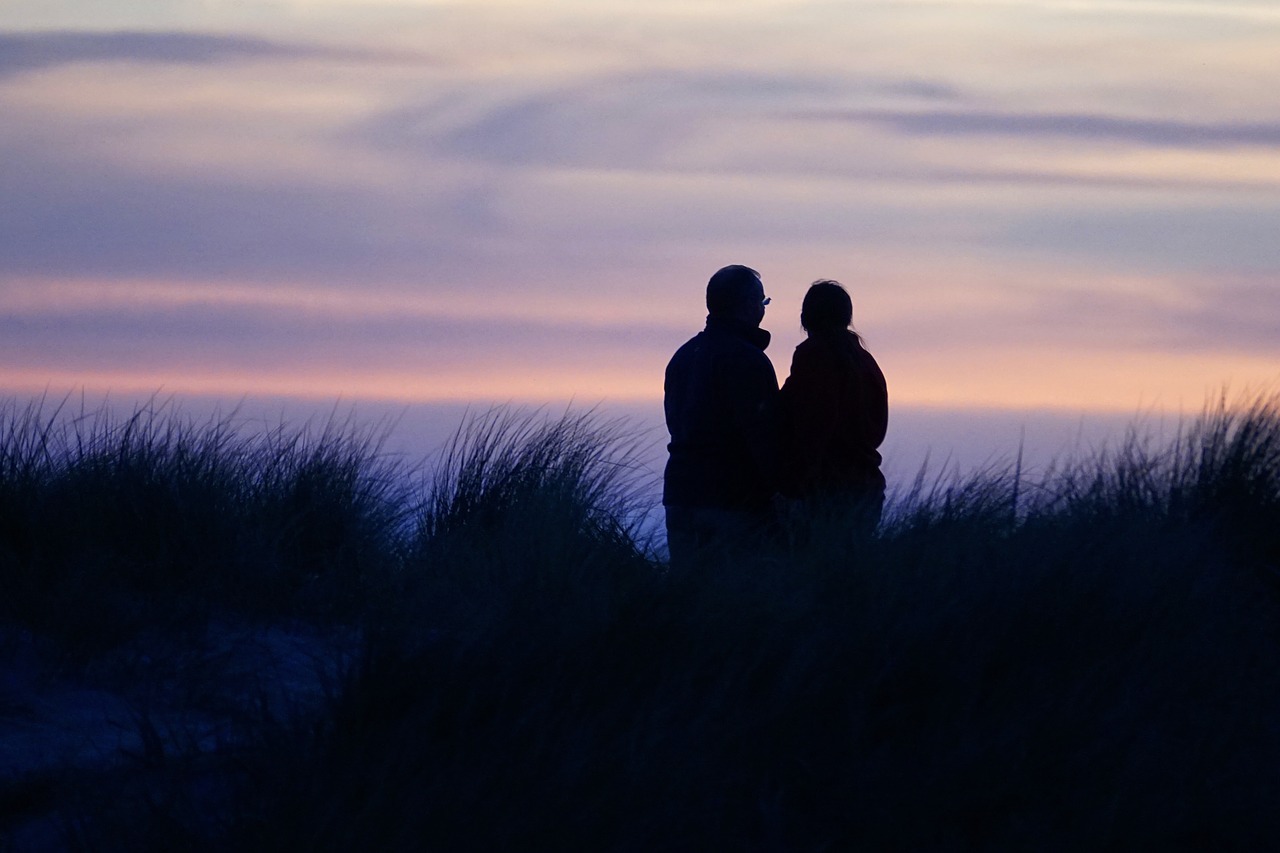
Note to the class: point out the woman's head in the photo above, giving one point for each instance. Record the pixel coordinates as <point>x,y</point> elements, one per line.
<point>826,308</point>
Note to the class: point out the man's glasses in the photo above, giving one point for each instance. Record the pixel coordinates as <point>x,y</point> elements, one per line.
<point>765,301</point>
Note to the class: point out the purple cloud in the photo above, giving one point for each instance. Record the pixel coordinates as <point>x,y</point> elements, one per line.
<point>71,214</point>
<point>1206,315</point>
<point>247,338</point>
<point>28,52</point>
<point>1182,237</point>
<point>631,120</point>
<point>1144,131</point>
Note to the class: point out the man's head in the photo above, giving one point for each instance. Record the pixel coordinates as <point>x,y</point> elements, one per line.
<point>736,292</point>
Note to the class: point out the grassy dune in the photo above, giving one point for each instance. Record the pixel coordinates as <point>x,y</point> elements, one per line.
<point>1086,661</point>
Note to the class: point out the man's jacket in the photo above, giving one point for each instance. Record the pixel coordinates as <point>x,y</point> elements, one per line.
<point>720,400</point>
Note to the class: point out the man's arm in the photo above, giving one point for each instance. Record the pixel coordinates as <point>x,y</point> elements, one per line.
<point>754,405</point>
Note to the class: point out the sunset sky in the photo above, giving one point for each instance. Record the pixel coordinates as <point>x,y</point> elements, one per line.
<point>1070,205</point>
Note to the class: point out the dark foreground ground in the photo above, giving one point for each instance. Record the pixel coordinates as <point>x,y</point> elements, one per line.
<point>214,643</point>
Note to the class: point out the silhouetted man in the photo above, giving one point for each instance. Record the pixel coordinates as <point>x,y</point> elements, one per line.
<point>720,397</point>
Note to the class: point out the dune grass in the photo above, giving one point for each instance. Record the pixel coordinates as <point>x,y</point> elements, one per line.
<point>115,524</point>
<point>1086,661</point>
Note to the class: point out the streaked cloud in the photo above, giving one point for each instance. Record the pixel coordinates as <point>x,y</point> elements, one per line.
<point>1236,315</point>
<point>74,213</point>
<point>628,120</point>
<point>1248,10</point>
<point>1028,213</point>
<point>409,355</point>
<point>156,300</point>
<point>1207,236</point>
<point>1083,126</point>
<point>25,52</point>
<point>944,306</point>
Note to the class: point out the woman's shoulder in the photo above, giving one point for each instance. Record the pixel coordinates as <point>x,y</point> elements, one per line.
<point>829,346</point>
<point>867,365</point>
<point>811,351</point>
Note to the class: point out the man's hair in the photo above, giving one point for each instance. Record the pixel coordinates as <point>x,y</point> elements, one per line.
<point>730,287</point>
<point>826,307</point>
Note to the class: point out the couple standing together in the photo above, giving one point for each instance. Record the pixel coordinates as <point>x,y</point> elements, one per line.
<point>738,441</point>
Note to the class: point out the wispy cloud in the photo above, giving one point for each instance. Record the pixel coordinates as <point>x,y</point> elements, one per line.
<point>1248,10</point>
<point>68,213</point>
<point>624,120</point>
<point>1176,314</point>
<point>547,198</point>
<point>36,51</point>
<point>1085,126</point>
<point>156,300</point>
<point>245,336</point>
<point>1228,239</point>
<point>1108,312</point>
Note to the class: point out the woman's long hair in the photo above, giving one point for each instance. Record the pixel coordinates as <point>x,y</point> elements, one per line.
<point>827,310</point>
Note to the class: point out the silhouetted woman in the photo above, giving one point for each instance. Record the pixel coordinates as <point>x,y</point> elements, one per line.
<point>835,407</point>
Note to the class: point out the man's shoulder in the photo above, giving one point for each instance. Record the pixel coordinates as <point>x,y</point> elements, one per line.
<point>694,341</point>
<point>717,341</point>
<point>741,355</point>
<point>688,347</point>
<point>724,340</point>
<point>725,350</point>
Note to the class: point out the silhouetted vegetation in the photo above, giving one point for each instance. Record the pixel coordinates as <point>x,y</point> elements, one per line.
<point>1082,661</point>
<point>113,525</point>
